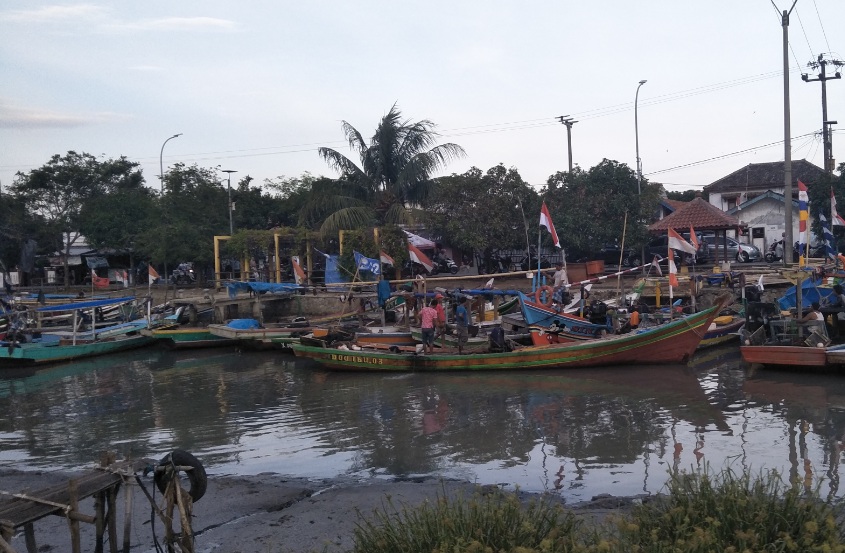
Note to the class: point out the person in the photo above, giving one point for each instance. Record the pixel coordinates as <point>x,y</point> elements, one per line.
<point>428,318</point>
<point>442,325</point>
<point>462,321</point>
<point>634,318</point>
<point>497,339</point>
<point>838,297</point>
<point>383,291</point>
<point>559,276</point>
<point>813,314</point>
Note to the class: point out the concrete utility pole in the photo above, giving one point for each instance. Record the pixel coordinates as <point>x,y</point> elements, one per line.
<point>787,142</point>
<point>567,120</point>
<point>823,77</point>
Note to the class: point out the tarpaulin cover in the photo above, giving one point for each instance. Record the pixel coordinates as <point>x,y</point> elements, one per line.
<point>243,324</point>
<point>86,304</point>
<point>811,291</point>
<point>419,241</point>
<point>261,287</point>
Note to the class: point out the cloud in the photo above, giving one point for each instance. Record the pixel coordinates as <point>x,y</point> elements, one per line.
<point>19,117</point>
<point>57,14</point>
<point>182,24</point>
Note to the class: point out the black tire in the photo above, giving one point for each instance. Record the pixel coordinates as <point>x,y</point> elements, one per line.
<point>770,257</point>
<point>635,261</point>
<point>197,476</point>
<point>453,269</point>
<point>742,256</point>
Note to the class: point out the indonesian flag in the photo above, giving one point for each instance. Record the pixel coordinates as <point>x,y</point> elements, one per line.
<point>836,219</point>
<point>656,264</point>
<point>99,282</point>
<point>678,243</point>
<point>298,273</point>
<point>386,258</point>
<point>673,278</point>
<point>153,273</point>
<point>546,221</point>
<point>693,238</point>
<point>419,257</point>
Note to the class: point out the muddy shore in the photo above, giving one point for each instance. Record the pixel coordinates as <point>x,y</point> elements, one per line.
<point>266,512</point>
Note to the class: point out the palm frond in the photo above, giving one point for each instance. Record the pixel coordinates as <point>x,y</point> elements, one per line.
<point>398,214</point>
<point>348,218</point>
<point>320,206</point>
<point>356,141</point>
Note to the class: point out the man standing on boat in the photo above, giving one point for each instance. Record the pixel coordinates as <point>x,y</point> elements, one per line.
<point>462,323</point>
<point>428,319</point>
<point>442,325</point>
<point>559,276</point>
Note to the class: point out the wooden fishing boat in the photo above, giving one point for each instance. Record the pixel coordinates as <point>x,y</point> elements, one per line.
<point>835,355</point>
<point>673,342</point>
<point>784,342</point>
<point>724,329</point>
<point>186,337</point>
<point>385,336</point>
<point>260,336</point>
<point>26,348</point>
<point>567,326</point>
<point>786,356</point>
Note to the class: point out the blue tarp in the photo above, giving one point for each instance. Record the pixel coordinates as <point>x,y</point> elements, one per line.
<point>811,291</point>
<point>243,324</point>
<point>261,287</point>
<point>86,304</point>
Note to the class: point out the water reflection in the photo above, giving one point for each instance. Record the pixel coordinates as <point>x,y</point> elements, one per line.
<point>581,432</point>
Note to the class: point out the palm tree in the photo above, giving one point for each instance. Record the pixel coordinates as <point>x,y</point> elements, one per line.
<point>394,175</point>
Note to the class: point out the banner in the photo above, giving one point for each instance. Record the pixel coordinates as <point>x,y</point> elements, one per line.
<point>364,263</point>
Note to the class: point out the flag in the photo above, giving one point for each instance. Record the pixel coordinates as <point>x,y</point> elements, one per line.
<point>803,216</point>
<point>99,282</point>
<point>364,263</point>
<point>760,283</point>
<point>125,276</point>
<point>656,264</point>
<point>546,221</point>
<point>298,273</point>
<point>693,238</point>
<point>837,219</point>
<point>419,257</point>
<point>153,273</point>
<point>321,253</point>
<point>828,237</point>
<point>678,243</point>
<point>386,259</point>
<point>673,279</point>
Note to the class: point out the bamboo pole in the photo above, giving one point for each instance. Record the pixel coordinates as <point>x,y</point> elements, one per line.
<point>73,492</point>
<point>100,524</point>
<point>29,537</point>
<point>127,521</point>
<point>111,517</point>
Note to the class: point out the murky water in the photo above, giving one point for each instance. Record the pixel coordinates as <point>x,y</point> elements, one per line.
<point>581,432</point>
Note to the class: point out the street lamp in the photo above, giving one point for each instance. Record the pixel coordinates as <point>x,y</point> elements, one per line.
<point>637,137</point>
<point>229,188</point>
<point>161,176</point>
<point>161,160</point>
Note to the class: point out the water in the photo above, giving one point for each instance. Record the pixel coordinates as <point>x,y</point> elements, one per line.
<point>580,432</point>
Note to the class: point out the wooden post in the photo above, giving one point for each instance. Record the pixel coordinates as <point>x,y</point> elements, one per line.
<point>112,517</point>
<point>100,524</point>
<point>127,522</point>
<point>187,540</point>
<point>73,492</point>
<point>29,536</point>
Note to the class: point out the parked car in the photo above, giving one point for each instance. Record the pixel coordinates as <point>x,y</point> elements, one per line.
<point>736,250</point>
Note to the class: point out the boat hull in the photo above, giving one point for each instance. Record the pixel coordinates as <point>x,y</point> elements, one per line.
<point>24,355</point>
<point>188,338</point>
<point>670,343</point>
<point>565,325</point>
<point>787,356</point>
<point>722,334</point>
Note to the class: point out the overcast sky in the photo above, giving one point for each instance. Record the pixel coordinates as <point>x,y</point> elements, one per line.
<point>257,86</point>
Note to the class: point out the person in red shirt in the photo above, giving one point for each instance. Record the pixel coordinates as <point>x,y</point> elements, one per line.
<point>428,320</point>
<point>442,327</point>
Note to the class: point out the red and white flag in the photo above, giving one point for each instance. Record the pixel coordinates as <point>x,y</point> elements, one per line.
<point>153,273</point>
<point>419,257</point>
<point>546,221</point>
<point>656,264</point>
<point>386,258</point>
<point>673,278</point>
<point>693,238</point>
<point>678,243</point>
<point>298,272</point>
<point>835,217</point>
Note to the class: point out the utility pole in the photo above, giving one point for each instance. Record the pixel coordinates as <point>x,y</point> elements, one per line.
<point>787,144</point>
<point>567,120</point>
<point>823,77</point>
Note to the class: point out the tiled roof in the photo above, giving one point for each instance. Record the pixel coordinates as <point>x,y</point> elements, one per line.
<point>675,204</point>
<point>699,214</point>
<point>765,176</point>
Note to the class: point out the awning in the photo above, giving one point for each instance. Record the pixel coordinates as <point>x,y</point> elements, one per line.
<point>96,262</point>
<point>419,241</point>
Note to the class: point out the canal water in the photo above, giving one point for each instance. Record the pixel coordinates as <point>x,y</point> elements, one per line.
<point>576,432</point>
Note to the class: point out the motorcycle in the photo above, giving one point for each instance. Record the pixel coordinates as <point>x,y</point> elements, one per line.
<point>444,264</point>
<point>775,252</point>
<point>183,274</point>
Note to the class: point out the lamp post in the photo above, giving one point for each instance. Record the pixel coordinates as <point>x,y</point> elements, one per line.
<point>161,176</point>
<point>229,188</point>
<point>639,163</point>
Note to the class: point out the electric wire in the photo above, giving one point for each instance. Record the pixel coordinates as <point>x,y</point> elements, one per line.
<point>824,34</point>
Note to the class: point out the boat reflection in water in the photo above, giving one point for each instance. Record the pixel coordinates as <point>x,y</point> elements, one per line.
<point>582,432</point>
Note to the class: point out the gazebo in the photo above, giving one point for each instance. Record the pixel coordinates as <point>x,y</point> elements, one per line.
<point>701,216</point>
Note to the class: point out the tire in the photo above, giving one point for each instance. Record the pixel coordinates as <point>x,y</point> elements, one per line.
<point>635,261</point>
<point>453,269</point>
<point>197,476</point>
<point>742,256</point>
<point>770,257</point>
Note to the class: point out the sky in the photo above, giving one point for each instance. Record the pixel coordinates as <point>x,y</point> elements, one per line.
<point>258,86</point>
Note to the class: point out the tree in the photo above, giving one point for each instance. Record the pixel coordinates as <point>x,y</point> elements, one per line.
<point>394,175</point>
<point>589,207</point>
<point>481,211</point>
<point>58,190</point>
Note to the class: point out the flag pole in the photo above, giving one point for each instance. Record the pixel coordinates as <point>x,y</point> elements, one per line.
<point>539,242</point>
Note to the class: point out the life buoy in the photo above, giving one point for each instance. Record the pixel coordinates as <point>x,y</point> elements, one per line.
<point>196,476</point>
<point>538,295</point>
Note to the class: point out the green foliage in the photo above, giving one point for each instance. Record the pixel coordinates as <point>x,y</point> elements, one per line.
<point>493,522</point>
<point>395,173</point>
<point>363,242</point>
<point>588,207</point>
<point>686,195</point>
<point>479,211</point>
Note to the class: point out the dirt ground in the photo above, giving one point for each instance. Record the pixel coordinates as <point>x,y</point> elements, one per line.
<point>263,513</point>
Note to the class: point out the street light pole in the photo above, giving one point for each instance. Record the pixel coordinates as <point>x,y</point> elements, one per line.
<point>229,188</point>
<point>637,137</point>
<point>161,176</point>
<point>639,162</point>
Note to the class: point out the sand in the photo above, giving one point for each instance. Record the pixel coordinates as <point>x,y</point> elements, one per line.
<point>263,513</point>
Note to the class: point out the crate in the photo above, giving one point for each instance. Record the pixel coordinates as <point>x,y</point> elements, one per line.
<point>595,267</point>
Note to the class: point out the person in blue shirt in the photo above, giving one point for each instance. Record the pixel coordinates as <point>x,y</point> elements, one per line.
<point>462,321</point>
<point>383,291</point>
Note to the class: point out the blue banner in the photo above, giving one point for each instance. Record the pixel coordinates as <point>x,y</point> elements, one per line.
<point>829,240</point>
<point>366,264</point>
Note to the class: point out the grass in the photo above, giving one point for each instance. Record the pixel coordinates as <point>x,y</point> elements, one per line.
<point>700,512</point>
